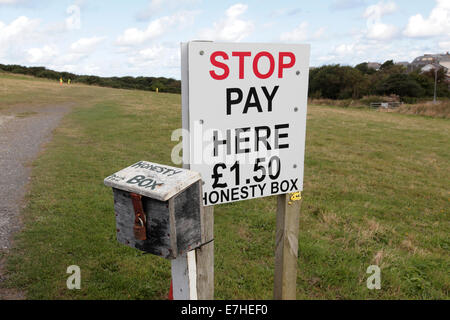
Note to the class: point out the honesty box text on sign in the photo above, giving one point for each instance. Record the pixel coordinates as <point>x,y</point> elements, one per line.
<point>246,116</point>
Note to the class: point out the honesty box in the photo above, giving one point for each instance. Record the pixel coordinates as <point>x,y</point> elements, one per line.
<point>245,105</point>
<point>158,208</point>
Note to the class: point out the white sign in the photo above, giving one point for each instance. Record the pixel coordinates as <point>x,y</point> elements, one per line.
<point>244,105</point>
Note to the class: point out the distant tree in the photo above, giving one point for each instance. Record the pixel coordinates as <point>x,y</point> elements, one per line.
<point>427,83</point>
<point>440,74</point>
<point>337,82</point>
<point>387,64</point>
<point>141,83</point>
<point>400,84</point>
<point>364,68</point>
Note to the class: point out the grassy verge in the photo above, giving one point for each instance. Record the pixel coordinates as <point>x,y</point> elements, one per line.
<point>424,108</point>
<point>439,110</point>
<point>376,192</point>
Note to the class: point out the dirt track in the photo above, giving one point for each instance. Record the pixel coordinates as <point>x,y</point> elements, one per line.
<point>23,132</point>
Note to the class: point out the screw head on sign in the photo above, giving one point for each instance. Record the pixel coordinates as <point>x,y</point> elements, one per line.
<point>297,72</point>
<point>295,109</point>
<point>202,52</point>
<point>295,166</point>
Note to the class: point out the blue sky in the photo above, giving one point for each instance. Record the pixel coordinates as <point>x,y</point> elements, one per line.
<point>141,37</point>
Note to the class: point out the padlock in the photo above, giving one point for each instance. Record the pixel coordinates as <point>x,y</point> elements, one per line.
<point>139,228</point>
<point>140,232</point>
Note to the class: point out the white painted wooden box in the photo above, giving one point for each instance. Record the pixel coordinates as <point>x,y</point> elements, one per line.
<point>169,198</point>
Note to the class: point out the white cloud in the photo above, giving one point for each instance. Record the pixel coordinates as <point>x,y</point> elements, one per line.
<point>41,55</point>
<point>156,6</point>
<point>157,54</point>
<point>437,23</point>
<point>326,58</point>
<point>11,1</point>
<point>156,28</point>
<point>73,22</point>
<point>380,9</point>
<point>381,31</point>
<point>153,7</point>
<point>21,25</point>
<point>301,33</point>
<point>445,45</point>
<point>231,27</point>
<point>154,60</point>
<point>361,50</point>
<point>377,30</point>
<point>372,44</point>
<point>345,49</point>
<point>18,31</point>
<point>358,49</point>
<point>346,4</point>
<point>86,45</point>
<point>77,51</point>
<point>280,12</point>
<point>88,69</point>
<point>319,33</point>
<point>298,34</point>
<point>151,53</point>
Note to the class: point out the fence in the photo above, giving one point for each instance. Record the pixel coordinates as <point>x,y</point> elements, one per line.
<point>386,105</point>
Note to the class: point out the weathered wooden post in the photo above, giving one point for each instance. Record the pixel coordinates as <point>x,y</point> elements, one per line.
<point>286,246</point>
<point>205,258</point>
<point>199,272</point>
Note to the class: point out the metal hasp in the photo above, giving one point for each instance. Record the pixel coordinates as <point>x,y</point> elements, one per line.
<point>140,231</point>
<point>158,208</point>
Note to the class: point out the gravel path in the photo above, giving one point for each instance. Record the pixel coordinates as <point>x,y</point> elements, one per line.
<point>22,134</point>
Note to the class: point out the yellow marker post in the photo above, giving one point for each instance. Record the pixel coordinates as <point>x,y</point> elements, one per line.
<point>60,81</point>
<point>157,90</point>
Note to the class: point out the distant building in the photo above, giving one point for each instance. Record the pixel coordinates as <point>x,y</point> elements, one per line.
<point>430,62</point>
<point>427,59</point>
<point>445,62</point>
<point>428,67</point>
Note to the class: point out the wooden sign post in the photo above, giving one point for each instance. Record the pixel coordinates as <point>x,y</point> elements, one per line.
<point>286,246</point>
<point>205,258</point>
<point>193,273</point>
<point>244,117</point>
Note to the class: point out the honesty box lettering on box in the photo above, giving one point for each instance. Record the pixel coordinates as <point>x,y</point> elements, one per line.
<point>246,115</point>
<point>152,180</point>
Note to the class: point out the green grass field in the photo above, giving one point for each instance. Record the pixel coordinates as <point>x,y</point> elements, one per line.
<point>376,191</point>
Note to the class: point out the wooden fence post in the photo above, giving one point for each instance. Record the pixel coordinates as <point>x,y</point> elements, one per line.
<point>286,246</point>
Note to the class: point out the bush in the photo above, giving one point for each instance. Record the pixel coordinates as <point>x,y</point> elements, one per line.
<point>439,110</point>
<point>337,82</point>
<point>409,100</point>
<point>400,84</point>
<point>344,82</point>
<point>140,83</point>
